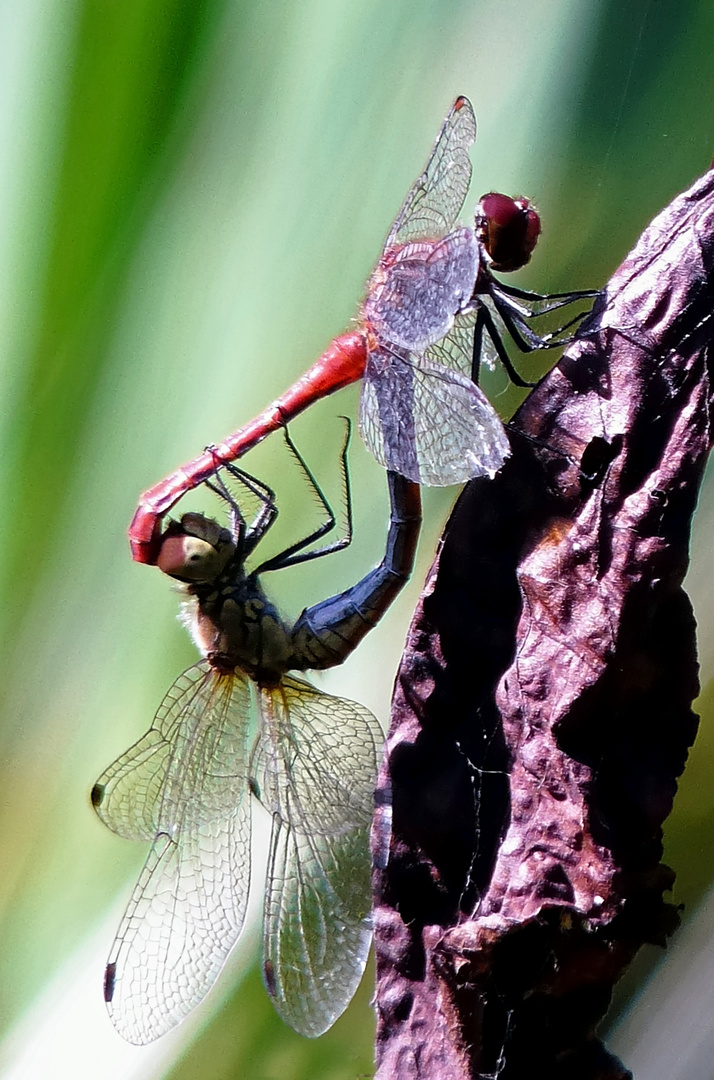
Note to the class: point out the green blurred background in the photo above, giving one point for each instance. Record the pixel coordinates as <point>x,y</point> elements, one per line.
<point>192,194</point>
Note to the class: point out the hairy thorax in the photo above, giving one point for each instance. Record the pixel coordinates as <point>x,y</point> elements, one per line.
<point>236,627</point>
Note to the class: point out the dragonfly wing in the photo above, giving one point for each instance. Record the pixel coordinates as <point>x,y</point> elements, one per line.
<point>437,195</point>
<point>416,291</point>
<point>318,768</point>
<point>128,795</point>
<point>386,412</point>
<point>188,907</point>
<point>428,422</point>
<point>317,926</point>
<point>455,350</point>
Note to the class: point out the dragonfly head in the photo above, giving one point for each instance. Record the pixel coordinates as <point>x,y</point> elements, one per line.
<point>508,230</point>
<point>195,549</point>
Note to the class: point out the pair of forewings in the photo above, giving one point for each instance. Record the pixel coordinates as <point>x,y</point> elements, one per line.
<point>420,412</point>
<point>186,786</point>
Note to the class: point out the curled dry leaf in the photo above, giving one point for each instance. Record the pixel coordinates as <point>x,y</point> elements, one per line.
<point>542,712</point>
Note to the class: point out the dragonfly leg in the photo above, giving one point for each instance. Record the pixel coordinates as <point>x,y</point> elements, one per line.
<point>488,326</point>
<point>246,536</point>
<point>341,364</point>
<point>325,634</point>
<point>237,524</point>
<point>296,552</point>
<point>515,316</point>
<point>553,301</point>
<point>478,343</point>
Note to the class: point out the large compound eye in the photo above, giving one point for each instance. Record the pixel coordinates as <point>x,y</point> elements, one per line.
<point>189,558</point>
<point>508,229</point>
<point>195,549</point>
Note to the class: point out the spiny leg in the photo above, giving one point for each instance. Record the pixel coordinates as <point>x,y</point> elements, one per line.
<point>485,324</point>
<point>295,554</point>
<point>559,299</point>
<point>327,633</point>
<point>246,536</point>
<point>524,338</point>
<point>515,315</point>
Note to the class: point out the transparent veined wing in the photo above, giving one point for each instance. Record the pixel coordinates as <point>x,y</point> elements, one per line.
<point>317,929</point>
<point>128,795</point>
<point>435,199</point>
<point>428,422</point>
<point>455,350</point>
<point>191,781</point>
<point>414,294</point>
<point>317,767</point>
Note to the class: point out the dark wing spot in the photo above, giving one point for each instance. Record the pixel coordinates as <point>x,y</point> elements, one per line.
<point>109,981</point>
<point>269,976</point>
<point>97,795</point>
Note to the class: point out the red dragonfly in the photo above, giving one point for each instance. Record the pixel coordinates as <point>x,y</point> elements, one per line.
<point>235,727</point>
<point>432,313</point>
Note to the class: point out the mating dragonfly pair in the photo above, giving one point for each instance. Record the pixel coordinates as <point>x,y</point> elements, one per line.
<point>237,724</point>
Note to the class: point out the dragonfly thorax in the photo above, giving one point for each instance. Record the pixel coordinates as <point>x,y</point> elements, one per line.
<point>237,627</point>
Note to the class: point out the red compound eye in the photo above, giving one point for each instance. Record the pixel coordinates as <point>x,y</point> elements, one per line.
<point>508,229</point>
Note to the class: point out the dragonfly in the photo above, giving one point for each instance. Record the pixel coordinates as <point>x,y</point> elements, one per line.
<point>433,312</point>
<point>239,726</point>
